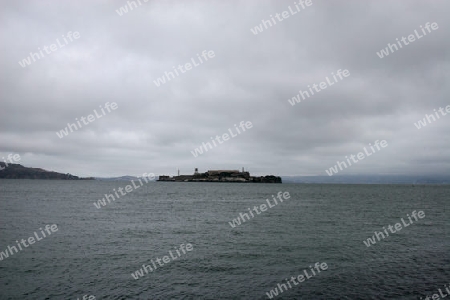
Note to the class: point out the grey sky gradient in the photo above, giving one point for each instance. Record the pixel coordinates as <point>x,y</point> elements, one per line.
<point>250,78</point>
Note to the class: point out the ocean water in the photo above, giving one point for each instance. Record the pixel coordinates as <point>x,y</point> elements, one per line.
<point>95,251</point>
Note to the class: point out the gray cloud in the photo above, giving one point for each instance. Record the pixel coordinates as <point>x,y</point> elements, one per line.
<point>251,78</point>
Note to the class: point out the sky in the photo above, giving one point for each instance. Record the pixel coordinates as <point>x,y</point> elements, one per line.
<point>116,57</point>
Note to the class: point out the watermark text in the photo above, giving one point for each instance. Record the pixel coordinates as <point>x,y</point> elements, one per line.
<point>397,226</point>
<point>187,66</point>
<point>89,119</point>
<point>391,48</point>
<point>319,87</point>
<point>225,137</point>
<point>49,49</point>
<point>356,158</point>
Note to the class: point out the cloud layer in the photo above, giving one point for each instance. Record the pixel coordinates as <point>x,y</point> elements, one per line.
<point>154,129</point>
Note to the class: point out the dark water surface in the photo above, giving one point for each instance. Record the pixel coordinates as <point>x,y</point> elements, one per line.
<point>95,250</point>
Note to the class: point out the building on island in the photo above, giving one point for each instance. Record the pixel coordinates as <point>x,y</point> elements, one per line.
<point>221,176</point>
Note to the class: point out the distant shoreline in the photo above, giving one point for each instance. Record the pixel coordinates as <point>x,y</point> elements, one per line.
<point>17,171</point>
<point>288,182</point>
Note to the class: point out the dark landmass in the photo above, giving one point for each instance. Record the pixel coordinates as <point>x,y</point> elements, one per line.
<point>370,179</point>
<point>221,176</point>
<point>17,171</point>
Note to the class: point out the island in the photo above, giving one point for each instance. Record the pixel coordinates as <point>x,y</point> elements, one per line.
<point>221,176</point>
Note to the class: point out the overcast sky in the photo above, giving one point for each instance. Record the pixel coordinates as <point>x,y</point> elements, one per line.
<point>250,78</point>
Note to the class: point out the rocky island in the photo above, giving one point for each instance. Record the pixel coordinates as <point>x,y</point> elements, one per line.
<point>221,176</point>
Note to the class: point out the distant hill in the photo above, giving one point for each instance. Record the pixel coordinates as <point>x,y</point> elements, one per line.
<point>370,179</point>
<point>121,178</point>
<point>124,178</point>
<point>17,171</point>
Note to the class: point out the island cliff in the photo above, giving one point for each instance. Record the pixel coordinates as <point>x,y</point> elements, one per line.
<point>221,176</point>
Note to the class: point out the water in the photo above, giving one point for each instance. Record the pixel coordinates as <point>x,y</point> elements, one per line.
<point>95,250</point>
